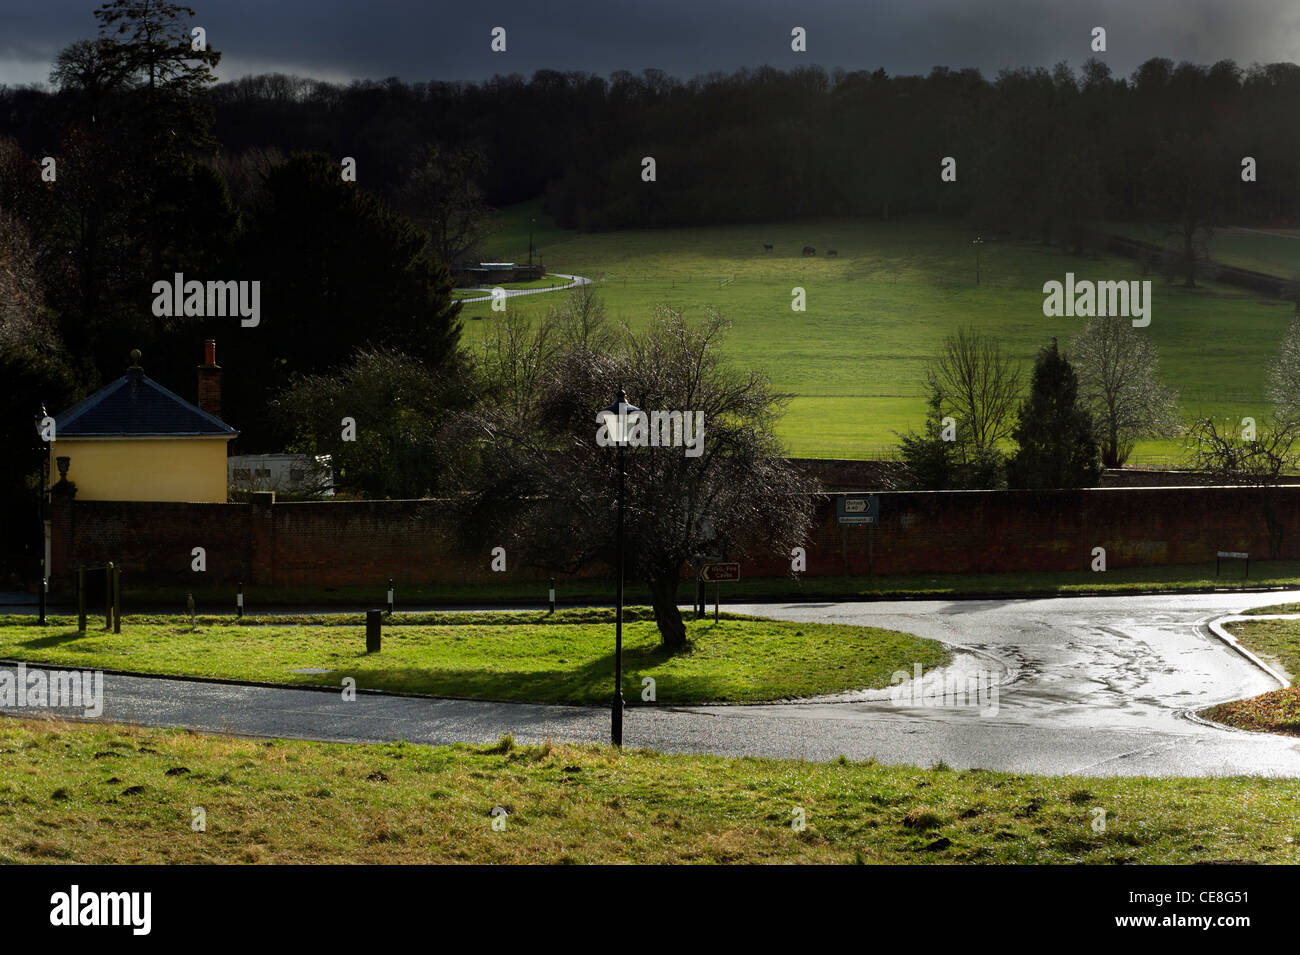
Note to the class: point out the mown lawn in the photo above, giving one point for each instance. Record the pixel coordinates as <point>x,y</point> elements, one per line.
<point>102,794</point>
<point>521,656</point>
<point>878,311</point>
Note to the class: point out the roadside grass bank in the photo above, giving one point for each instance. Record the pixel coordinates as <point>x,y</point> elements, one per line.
<point>526,658</point>
<point>106,795</point>
<point>1172,578</point>
<point>1277,643</point>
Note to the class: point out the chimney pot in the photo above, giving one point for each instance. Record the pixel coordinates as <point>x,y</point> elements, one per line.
<point>210,380</point>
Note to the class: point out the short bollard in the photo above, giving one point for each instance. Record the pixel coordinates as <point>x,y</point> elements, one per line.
<point>374,621</point>
<point>552,598</point>
<point>239,601</point>
<point>117,599</point>
<point>81,599</point>
<point>108,596</point>
<point>390,595</point>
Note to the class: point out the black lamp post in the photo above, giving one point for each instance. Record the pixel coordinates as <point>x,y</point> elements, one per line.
<point>615,419</point>
<point>42,512</point>
<point>978,242</point>
<point>531,224</point>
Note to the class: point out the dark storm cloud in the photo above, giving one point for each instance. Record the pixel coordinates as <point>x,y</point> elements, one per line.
<point>339,39</point>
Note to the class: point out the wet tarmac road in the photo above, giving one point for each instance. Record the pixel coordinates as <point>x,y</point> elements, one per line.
<point>1090,685</point>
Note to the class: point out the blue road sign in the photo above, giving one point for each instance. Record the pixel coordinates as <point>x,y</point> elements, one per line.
<point>857,509</point>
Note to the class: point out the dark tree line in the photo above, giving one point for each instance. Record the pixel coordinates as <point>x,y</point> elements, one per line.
<point>1040,151</point>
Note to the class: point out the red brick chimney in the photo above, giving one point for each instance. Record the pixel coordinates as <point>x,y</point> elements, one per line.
<point>210,380</point>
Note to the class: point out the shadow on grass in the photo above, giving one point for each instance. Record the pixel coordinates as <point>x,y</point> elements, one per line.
<point>59,639</point>
<point>590,683</point>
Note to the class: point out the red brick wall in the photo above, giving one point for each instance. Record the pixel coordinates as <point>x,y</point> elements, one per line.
<point>986,531</point>
<point>343,543</point>
<point>151,541</point>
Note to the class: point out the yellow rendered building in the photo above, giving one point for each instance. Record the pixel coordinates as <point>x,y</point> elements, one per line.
<point>134,440</point>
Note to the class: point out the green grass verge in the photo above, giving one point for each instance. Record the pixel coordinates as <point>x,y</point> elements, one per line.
<point>102,794</point>
<point>878,312</point>
<point>1273,608</point>
<point>741,659</point>
<point>1276,642</point>
<point>1172,578</point>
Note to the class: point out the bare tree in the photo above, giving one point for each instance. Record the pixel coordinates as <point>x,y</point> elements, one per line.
<point>547,489</point>
<point>978,385</point>
<point>442,196</point>
<point>92,70</point>
<point>1256,457</point>
<point>1231,454</point>
<point>515,358</point>
<point>581,321</point>
<point>24,320</point>
<point>1116,365</point>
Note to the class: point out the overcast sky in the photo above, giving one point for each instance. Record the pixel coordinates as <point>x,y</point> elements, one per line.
<point>347,39</point>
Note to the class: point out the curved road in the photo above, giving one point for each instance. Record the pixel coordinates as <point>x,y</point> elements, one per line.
<point>1090,685</point>
<point>512,292</point>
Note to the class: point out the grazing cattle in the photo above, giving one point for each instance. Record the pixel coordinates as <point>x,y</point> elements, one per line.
<point>767,246</point>
<point>809,250</point>
<point>832,252</point>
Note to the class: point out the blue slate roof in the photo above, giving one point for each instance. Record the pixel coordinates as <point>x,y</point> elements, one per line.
<point>137,406</point>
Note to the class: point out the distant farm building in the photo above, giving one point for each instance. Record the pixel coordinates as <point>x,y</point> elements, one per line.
<point>494,273</point>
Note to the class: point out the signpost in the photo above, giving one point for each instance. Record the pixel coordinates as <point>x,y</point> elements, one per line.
<point>1232,555</point>
<point>717,573</point>
<point>853,510</point>
<point>714,573</point>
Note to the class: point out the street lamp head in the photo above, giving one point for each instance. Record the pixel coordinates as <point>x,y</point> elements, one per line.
<point>616,418</point>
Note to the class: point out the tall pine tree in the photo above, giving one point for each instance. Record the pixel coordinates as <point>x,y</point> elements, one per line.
<point>1054,433</point>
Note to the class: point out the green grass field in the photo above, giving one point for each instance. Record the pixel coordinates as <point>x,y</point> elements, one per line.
<point>1274,251</point>
<point>521,656</point>
<point>104,794</point>
<point>879,310</point>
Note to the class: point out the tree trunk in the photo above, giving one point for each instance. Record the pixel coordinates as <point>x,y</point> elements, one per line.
<point>1110,450</point>
<point>663,598</point>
